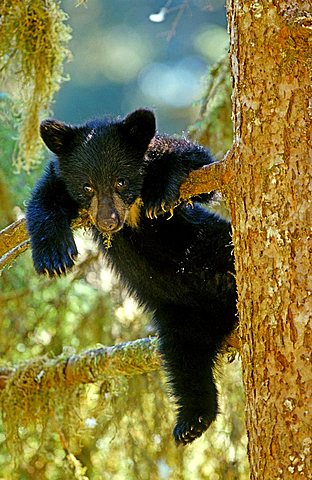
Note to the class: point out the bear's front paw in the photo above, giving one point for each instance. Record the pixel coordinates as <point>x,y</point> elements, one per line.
<point>161,190</point>
<point>52,257</point>
<point>164,203</point>
<point>153,211</point>
<point>188,429</point>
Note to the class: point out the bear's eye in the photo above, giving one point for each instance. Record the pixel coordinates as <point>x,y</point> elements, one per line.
<point>88,189</point>
<point>121,184</point>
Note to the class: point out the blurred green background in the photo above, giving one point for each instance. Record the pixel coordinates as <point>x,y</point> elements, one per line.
<point>122,60</point>
<point>119,428</point>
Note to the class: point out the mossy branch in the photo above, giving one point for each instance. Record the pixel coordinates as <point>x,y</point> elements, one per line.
<point>131,358</point>
<point>217,176</point>
<point>13,241</point>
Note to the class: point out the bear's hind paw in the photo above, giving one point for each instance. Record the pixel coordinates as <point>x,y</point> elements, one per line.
<point>187,430</point>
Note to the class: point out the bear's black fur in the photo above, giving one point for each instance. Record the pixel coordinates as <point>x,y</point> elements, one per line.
<point>175,257</point>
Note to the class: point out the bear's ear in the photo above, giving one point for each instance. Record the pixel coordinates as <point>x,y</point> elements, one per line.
<point>140,127</point>
<point>58,137</point>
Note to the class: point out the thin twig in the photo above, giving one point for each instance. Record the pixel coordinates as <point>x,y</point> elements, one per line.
<point>177,19</point>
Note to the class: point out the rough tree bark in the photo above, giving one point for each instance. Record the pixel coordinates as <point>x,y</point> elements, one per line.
<point>271,211</point>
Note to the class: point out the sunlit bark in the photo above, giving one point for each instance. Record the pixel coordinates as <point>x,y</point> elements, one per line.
<point>271,211</point>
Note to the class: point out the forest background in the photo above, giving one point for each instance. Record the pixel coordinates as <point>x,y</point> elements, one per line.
<point>120,427</point>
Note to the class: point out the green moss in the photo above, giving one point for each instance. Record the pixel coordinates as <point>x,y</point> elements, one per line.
<point>32,52</point>
<point>214,127</point>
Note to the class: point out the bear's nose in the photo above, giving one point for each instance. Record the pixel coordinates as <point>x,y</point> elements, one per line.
<point>108,223</point>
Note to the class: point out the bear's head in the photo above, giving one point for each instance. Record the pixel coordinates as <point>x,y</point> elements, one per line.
<point>102,164</point>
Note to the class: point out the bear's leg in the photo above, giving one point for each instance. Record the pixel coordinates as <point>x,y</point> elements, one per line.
<point>189,364</point>
<point>49,214</point>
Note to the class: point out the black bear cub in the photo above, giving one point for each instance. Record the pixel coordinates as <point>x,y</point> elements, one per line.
<point>175,257</point>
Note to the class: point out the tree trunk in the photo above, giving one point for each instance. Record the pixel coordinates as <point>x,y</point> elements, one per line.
<point>270,204</point>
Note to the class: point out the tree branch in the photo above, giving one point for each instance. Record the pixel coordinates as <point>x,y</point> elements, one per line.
<point>217,176</point>
<point>11,237</point>
<point>131,358</point>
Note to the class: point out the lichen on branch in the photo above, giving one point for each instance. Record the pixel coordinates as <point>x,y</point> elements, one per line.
<point>33,49</point>
<point>44,374</point>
